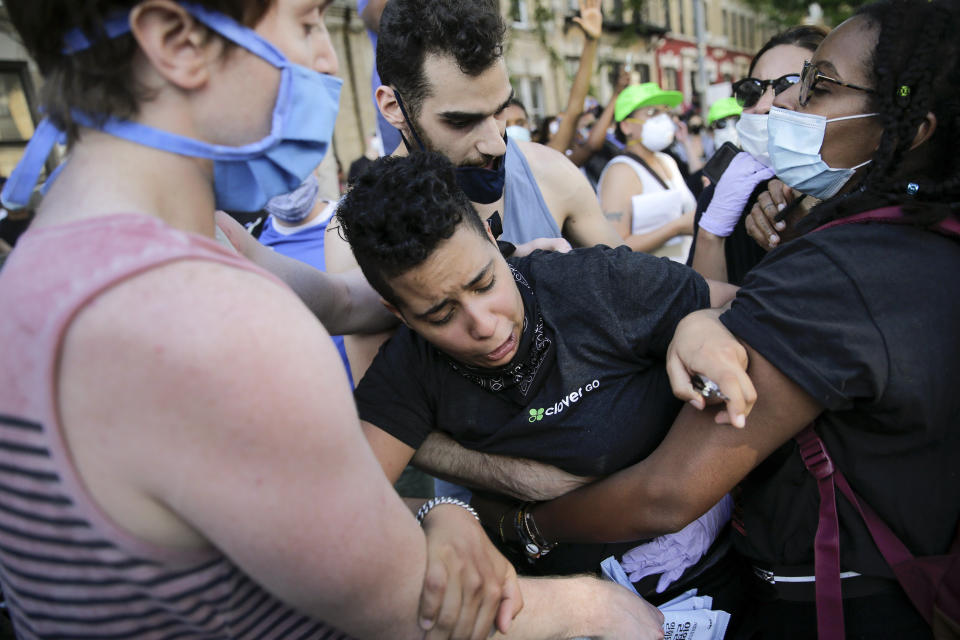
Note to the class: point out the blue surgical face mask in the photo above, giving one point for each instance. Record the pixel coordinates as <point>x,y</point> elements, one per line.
<point>794,146</point>
<point>483,186</point>
<point>244,177</point>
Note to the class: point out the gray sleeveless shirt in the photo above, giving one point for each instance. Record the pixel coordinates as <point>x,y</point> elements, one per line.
<point>525,215</point>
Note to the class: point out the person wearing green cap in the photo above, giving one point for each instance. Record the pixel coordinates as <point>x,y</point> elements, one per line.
<point>722,119</point>
<point>642,191</point>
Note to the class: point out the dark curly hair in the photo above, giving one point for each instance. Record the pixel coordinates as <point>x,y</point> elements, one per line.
<point>399,212</point>
<point>915,69</point>
<point>100,79</point>
<point>471,32</point>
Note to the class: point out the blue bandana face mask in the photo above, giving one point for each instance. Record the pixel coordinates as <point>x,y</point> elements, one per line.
<point>244,177</point>
<point>483,186</point>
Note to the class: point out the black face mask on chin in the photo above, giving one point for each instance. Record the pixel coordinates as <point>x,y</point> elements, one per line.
<point>481,185</point>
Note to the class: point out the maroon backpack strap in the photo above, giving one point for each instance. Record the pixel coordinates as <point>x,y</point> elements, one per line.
<point>949,226</point>
<point>919,577</point>
<point>918,580</point>
<point>826,550</point>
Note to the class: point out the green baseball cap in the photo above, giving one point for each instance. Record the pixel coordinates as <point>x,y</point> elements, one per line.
<point>723,108</point>
<point>648,94</point>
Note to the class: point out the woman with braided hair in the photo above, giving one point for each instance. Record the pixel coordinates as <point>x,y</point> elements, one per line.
<point>850,329</point>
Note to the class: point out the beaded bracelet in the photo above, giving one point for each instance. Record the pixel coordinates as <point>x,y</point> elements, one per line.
<point>435,502</point>
<point>534,545</point>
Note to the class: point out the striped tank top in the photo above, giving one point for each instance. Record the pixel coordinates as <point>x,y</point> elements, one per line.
<point>66,570</point>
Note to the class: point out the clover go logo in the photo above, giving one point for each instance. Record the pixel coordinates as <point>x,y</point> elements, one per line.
<point>536,415</point>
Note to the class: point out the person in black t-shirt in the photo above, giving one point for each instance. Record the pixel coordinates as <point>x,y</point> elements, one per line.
<point>554,357</point>
<point>851,329</point>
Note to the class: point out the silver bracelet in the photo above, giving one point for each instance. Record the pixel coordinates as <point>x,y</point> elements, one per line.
<point>433,502</point>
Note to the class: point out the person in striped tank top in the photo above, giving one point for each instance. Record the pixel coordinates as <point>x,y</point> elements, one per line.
<point>180,456</point>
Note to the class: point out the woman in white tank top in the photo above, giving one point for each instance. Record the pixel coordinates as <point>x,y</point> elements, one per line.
<point>642,192</point>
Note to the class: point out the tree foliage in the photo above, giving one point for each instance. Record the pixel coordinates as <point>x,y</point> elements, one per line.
<point>785,13</point>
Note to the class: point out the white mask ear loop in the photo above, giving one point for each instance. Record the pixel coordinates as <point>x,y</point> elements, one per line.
<point>855,117</point>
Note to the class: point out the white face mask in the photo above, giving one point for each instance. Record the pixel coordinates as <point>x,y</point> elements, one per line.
<point>657,132</point>
<point>794,146</point>
<point>727,134</point>
<point>518,133</point>
<point>752,131</point>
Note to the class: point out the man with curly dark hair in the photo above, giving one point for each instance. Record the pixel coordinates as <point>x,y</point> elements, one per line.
<point>445,87</point>
<point>553,357</point>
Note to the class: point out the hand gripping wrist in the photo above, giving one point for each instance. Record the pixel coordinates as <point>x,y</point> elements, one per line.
<point>436,502</point>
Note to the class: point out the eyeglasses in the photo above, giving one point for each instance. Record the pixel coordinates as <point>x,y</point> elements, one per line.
<point>749,90</point>
<point>722,124</point>
<point>811,75</point>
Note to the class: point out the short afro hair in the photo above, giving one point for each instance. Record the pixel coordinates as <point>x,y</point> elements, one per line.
<point>399,211</point>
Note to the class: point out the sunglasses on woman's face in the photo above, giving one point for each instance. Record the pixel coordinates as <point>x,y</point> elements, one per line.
<point>749,90</point>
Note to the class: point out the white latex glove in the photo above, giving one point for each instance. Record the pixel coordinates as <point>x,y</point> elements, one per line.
<point>674,553</point>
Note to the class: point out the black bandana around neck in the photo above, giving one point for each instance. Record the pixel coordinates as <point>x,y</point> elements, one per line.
<point>533,357</point>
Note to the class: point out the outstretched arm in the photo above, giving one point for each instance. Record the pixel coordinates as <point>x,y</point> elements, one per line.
<point>598,133</point>
<point>551,608</point>
<point>697,463</point>
<point>344,303</point>
<point>519,478</point>
<point>591,21</point>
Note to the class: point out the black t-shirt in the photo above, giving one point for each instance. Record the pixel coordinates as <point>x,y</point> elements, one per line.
<point>740,250</point>
<point>605,402</point>
<point>866,319</point>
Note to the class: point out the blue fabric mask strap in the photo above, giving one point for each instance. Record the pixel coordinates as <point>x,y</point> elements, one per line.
<point>166,141</point>
<point>114,26</point>
<point>119,24</point>
<point>19,187</point>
